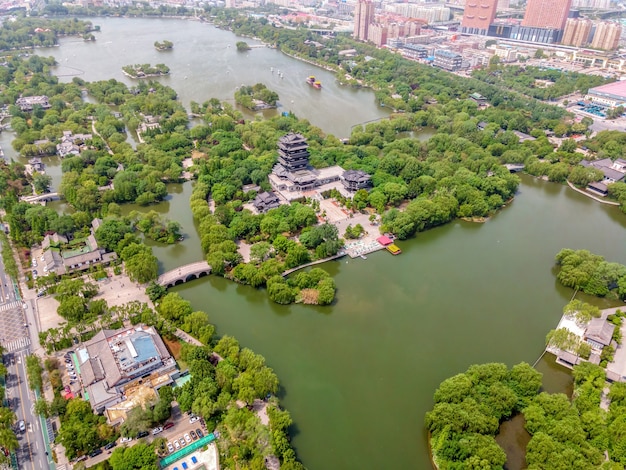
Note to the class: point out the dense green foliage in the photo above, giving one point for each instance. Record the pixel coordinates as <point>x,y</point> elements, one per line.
<point>23,32</point>
<point>8,439</point>
<point>8,260</point>
<point>581,269</point>
<point>140,456</point>
<point>156,227</point>
<point>469,408</point>
<point>242,46</point>
<point>34,371</point>
<point>540,83</point>
<point>576,435</point>
<point>256,96</point>
<point>81,431</point>
<point>145,70</point>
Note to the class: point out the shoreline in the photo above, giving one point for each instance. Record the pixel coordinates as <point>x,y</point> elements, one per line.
<point>148,75</point>
<point>591,196</point>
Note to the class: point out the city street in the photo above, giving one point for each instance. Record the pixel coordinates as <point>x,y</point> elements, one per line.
<point>16,328</point>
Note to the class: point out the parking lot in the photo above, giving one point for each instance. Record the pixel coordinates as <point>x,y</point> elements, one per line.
<point>180,427</point>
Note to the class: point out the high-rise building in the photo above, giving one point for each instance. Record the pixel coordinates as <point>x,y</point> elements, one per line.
<point>478,15</point>
<point>606,36</point>
<point>378,33</point>
<point>363,18</point>
<point>577,31</point>
<point>549,14</point>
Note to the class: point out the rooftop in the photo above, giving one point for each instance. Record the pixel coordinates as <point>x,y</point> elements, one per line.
<point>615,89</point>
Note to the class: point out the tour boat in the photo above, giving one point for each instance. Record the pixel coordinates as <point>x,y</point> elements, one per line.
<point>314,83</point>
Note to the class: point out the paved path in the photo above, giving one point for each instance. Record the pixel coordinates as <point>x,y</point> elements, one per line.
<point>603,201</point>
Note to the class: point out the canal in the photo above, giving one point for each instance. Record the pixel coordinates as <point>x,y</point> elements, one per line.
<point>359,375</point>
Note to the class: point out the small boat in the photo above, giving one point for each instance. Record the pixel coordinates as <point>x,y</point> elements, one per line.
<point>393,249</point>
<point>363,256</point>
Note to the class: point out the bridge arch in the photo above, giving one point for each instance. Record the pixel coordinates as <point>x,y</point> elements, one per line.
<point>184,274</point>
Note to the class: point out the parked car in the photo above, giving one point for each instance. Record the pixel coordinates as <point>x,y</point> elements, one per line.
<point>21,425</point>
<point>187,437</point>
<point>95,453</point>
<point>170,447</point>
<point>126,439</point>
<point>34,263</point>
<point>199,433</point>
<point>142,434</point>
<point>156,431</point>
<point>182,442</point>
<point>193,419</point>
<point>176,444</point>
<point>193,435</point>
<point>168,425</point>
<point>110,445</point>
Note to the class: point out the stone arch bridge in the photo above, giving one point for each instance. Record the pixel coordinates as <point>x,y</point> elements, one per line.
<point>184,273</point>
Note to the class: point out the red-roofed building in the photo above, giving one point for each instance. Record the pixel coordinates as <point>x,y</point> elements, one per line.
<point>384,241</point>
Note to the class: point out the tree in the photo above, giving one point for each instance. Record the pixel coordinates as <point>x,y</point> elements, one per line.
<point>140,456</point>
<point>34,371</point>
<point>242,46</point>
<point>581,311</point>
<point>174,307</point>
<point>41,183</point>
<point>72,308</point>
<point>155,291</point>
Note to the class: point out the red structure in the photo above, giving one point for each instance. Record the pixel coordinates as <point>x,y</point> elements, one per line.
<point>384,241</point>
<point>478,15</point>
<point>550,14</point>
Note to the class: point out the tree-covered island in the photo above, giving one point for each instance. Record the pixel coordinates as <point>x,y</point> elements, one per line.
<point>256,97</point>
<point>164,45</point>
<point>145,70</point>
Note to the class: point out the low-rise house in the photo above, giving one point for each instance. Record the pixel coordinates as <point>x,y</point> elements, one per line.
<point>353,180</point>
<point>27,103</point>
<point>265,201</point>
<point>72,144</point>
<point>612,171</point>
<point>53,240</point>
<point>599,333</point>
<point>523,137</point>
<point>479,99</point>
<point>61,261</point>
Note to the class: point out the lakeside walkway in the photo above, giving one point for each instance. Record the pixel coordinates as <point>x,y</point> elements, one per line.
<point>595,198</point>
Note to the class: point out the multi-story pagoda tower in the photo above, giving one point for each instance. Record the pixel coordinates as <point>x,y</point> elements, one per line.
<point>293,152</point>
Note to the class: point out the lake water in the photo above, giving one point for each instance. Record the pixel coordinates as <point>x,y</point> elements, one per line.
<point>359,375</point>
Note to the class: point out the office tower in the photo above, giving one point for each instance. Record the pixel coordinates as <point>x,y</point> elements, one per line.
<point>577,31</point>
<point>606,36</point>
<point>478,15</point>
<point>363,17</point>
<point>549,14</point>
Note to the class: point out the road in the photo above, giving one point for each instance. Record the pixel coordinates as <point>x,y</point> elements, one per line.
<point>17,328</point>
